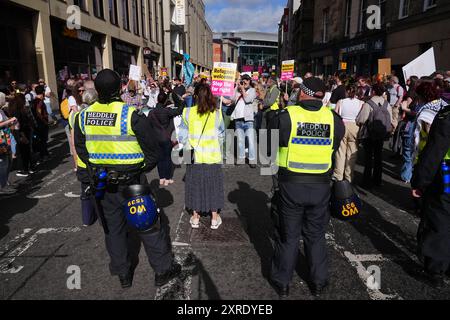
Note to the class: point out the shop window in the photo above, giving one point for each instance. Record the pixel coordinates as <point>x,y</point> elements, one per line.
<point>98,8</point>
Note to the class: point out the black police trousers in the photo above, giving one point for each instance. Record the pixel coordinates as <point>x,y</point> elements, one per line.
<point>303,210</point>
<point>157,244</point>
<point>434,236</point>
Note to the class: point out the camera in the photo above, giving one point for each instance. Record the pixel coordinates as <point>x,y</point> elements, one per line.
<point>242,82</point>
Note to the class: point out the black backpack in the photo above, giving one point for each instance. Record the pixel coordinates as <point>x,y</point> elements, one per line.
<point>379,124</point>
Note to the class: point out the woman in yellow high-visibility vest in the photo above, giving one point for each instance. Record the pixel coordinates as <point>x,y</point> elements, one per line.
<point>202,130</point>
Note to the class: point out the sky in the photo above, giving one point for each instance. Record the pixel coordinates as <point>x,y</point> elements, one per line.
<point>248,15</point>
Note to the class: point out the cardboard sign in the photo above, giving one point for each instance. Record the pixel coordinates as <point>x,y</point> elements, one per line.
<point>164,72</point>
<point>424,65</point>
<point>223,78</point>
<point>343,66</point>
<point>384,66</point>
<point>135,73</point>
<point>287,70</point>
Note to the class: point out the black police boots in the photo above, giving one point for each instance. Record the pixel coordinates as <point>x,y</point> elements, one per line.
<point>173,272</point>
<point>282,291</point>
<point>318,289</point>
<point>126,280</point>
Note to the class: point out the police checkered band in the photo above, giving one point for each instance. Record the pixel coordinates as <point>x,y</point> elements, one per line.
<point>113,156</point>
<point>312,141</point>
<point>307,91</point>
<point>124,120</point>
<point>83,117</point>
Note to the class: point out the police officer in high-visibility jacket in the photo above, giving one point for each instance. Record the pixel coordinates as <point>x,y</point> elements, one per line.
<point>112,136</point>
<point>431,182</point>
<point>309,135</point>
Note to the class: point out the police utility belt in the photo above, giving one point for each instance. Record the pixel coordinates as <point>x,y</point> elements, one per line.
<point>115,177</point>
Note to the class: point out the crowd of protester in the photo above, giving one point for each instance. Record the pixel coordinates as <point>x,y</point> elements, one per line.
<point>404,112</point>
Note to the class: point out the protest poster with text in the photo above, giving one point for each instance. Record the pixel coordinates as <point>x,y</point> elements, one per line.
<point>223,78</point>
<point>135,73</point>
<point>287,70</point>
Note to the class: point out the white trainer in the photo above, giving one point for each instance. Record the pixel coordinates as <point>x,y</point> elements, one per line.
<point>195,223</point>
<point>215,224</point>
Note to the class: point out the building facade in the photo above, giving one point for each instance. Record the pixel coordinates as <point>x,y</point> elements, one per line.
<point>257,51</point>
<point>348,36</point>
<point>111,34</point>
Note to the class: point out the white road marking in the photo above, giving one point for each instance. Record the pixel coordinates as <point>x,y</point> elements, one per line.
<point>49,183</point>
<point>356,262</point>
<point>44,196</point>
<point>181,252</point>
<point>71,195</point>
<point>12,242</point>
<point>6,264</point>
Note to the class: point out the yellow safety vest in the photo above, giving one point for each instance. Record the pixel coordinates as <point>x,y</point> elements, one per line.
<point>447,156</point>
<point>72,118</point>
<point>109,137</point>
<point>310,148</point>
<point>207,149</point>
<point>422,143</point>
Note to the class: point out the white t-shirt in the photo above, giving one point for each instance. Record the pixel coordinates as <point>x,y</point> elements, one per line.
<point>47,91</point>
<point>244,110</point>
<point>73,105</point>
<point>350,108</point>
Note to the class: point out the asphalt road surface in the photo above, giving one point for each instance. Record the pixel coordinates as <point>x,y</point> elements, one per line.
<point>43,245</point>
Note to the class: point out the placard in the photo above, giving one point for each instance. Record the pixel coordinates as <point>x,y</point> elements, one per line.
<point>287,70</point>
<point>223,79</point>
<point>135,73</point>
<point>385,66</point>
<point>423,66</point>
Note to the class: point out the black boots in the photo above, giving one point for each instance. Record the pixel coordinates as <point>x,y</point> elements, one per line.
<point>164,278</point>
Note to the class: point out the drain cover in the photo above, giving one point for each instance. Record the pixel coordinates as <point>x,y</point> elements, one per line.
<point>230,232</point>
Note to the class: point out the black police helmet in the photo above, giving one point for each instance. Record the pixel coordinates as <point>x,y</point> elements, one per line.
<point>136,191</point>
<point>107,84</point>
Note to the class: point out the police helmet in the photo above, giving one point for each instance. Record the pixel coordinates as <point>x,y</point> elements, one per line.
<point>140,208</point>
<point>345,203</point>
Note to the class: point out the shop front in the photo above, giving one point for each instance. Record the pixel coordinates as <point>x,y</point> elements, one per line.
<point>124,54</point>
<point>78,53</point>
<point>362,56</point>
<point>17,54</point>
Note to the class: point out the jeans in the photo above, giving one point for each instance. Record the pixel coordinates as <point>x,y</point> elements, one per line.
<point>408,153</point>
<point>245,129</point>
<point>165,166</point>
<point>4,170</point>
<point>373,162</point>
<point>13,145</point>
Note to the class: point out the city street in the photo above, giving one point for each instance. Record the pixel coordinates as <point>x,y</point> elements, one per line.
<point>42,238</point>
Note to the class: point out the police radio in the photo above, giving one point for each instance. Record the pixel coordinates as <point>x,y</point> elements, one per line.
<point>345,203</point>
<point>100,188</point>
<point>446,177</point>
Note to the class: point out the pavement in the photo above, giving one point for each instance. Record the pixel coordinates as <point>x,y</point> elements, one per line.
<point>46,254</point>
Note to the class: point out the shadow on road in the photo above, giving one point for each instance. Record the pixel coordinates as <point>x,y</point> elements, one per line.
<point>19,203</point>
<point>254,213</point>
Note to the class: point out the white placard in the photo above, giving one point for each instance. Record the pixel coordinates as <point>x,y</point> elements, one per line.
<point>422,66</point>
<point>135,73</point>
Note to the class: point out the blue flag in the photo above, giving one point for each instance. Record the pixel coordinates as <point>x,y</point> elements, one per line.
<point>188,71</point>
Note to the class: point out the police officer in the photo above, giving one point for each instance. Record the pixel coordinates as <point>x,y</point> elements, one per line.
<point>309,135</point>
<point>114,137</point>
<point>428,183</point>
